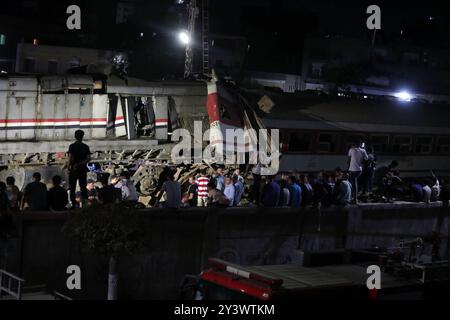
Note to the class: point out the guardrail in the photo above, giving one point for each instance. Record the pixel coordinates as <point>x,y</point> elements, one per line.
<point>7,281</point>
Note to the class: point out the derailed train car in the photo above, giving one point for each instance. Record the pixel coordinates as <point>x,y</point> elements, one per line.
<point>317,132</point>
<point>125,120</point>
<point>128,122</point>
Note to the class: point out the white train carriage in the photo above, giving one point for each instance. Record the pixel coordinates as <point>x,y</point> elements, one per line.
<point>39,116</point>
<point>316,133</point>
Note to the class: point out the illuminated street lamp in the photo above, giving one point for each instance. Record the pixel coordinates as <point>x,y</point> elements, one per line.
<point>184,38</point>
<point>403,96</point>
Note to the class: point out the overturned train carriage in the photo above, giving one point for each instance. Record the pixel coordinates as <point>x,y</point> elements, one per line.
<point>128,122</point>
<point>123,120</point>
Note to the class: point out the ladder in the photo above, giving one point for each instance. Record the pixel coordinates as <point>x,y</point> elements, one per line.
<point>10,285</point>
<point>205,37</point>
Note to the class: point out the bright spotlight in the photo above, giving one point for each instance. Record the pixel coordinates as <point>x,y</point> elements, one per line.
<point>403,96</point>
<point>184,37</point>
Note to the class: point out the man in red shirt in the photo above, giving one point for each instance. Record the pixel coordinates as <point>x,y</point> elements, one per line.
<point>202,183</point>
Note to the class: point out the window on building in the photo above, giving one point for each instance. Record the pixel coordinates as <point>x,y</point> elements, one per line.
<point>379,143</point>
<point>74,62</point>
<point>402,144</point>
<point>29,65</point>
<point>4,66</point>
<point>300,142</point>
<point>316,69</point>
<point>52,67</point>
<point>443,145</point>
<point>424,144</point>
<point>327,142</point>
<point>2,39</point>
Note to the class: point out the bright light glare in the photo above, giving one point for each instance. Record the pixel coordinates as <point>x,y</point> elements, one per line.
<point>403,95</point>
<point>184,37</point>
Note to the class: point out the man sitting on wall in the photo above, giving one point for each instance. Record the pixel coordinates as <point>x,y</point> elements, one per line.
<point>35,194</point>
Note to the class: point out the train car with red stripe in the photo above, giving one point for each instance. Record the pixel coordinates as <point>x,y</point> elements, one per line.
<point>124,120</point>
<point>316,131</point>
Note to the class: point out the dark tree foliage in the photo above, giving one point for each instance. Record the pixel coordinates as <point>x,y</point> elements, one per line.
<point>111,230</point>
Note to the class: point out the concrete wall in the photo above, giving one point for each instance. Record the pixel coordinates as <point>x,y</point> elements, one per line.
<point>179,243</point>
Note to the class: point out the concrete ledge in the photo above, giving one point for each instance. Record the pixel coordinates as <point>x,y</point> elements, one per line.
<point>180,241</point>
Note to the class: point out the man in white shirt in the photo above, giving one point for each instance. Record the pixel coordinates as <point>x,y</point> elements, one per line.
<point>357,155</point>
<point>237,173</point>
<point>230,190</point>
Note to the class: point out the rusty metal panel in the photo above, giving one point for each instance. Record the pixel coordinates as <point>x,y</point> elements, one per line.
<point>3,109</point>
<point>73,114</point>
<point>23,86</point>
<point>99,115</point>
<point>29,111</point>
<point>46,117</point>
<point>86,119</point>
<point>53,83</point>
<point>75,82</point>
<point>60,117</point>
<point>21,106</point>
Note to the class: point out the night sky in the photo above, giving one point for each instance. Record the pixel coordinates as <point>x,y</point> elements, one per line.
<point>342,17</point>
<point>272,27</point>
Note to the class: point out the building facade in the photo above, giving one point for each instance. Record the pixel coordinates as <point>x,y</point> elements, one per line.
<point>44,59</point>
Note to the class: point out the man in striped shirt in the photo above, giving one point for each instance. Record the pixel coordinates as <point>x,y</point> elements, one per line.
<point>202,183</point>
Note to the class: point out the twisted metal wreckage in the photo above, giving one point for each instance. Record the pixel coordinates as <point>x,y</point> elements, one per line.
<point>128,123</point>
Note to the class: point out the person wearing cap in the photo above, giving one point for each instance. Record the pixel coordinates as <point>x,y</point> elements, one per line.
<point>79,157</point>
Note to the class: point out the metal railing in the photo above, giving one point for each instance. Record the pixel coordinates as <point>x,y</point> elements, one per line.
<point>10,285</point>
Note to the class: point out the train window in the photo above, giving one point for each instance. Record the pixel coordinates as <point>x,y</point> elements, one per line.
<point>402,144</point>
<point>443,145</point>
<point>424,144</point>
<point>379,143</point>
<point>327,142</point>
<point>300,142</point>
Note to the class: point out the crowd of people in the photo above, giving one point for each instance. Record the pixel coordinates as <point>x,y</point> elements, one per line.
<point>37,197</point>
<point>217,187</point>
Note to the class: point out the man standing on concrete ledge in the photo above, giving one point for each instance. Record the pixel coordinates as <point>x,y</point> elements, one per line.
<point>357,155</point>
<point>79,156</point>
